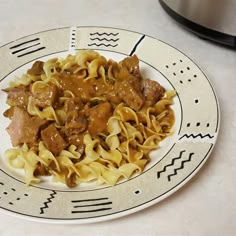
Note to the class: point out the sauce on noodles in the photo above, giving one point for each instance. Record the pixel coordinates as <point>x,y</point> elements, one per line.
<point>85,118</point>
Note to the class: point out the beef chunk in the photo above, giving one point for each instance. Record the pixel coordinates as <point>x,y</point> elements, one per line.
<point>36,69</point>
<point>129,90</point>
<point>76,122</point>
<point>24,128</point>
<point>41,170</point>
<point>132,65</point>
<point>72,104</point>
<point>46,96</point>
<point>9,112</point>
<point>17,96</point>
<point>98,117</point>
<point>53,139</point>
<point>152,90</point>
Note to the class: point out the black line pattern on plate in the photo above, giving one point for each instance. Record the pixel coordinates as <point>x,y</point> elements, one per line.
<point>136,45</point>
<point>22,49</point>
<point>36,50</point>
<point>181,167</point>
<point>102,39</point>
<point>26,42</point>
<point>91,205</point>
<point>24,46</point>
<point>102,44</point>
<point>49,200</point>
<point>171,164</point>
<point>194,136</point>
<point>104,33</point>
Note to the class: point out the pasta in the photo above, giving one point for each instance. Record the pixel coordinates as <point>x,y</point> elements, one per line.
<point>85,118</point>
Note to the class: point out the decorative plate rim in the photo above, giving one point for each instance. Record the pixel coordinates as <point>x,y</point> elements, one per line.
<point>188,138</point>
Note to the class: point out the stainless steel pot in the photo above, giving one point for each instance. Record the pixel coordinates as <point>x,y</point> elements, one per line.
<point>213,19</point>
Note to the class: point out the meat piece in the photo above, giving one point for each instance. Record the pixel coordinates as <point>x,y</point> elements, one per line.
<point>17,96</point>
<point>53,139</point>
<point>129,91</point>
<point>98,117</point>
<point>9,112</point>
<point>46,96</point>
<point>132,65</point>
<point>36,69</point>
<point>41,170</point>
<point>152,90</point>
<point>73,104</point>
<point>70,179</point>
<point>112,97</point>
<point>76,122</point>
<point>24,128</point>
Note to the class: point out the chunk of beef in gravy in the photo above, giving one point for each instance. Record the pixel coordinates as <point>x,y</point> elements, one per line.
<point>129,90</point>
<point>24,128</point>
<point>9,112</point>
<point>98,117</point>
<point>152,90</point>
<point>46,96</point>
<point>132,65</point>
<point>72,104</point>
<point>53,140</point>
<point>41,169</point>
<point>76,122</point>
<point>37,68</point>
<point>17,96</point>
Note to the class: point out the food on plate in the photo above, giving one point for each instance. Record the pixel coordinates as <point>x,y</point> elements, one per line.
<point>85,118</point>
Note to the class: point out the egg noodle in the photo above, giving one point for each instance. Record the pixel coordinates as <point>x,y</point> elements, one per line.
<point>107,155</point>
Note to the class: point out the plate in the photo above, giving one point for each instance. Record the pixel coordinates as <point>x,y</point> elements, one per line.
<point>173,164</point>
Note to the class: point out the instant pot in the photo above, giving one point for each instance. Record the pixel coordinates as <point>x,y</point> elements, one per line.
<point>212,19</point>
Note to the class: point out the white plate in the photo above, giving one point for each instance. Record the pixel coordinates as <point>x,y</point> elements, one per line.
<point>173,164</point>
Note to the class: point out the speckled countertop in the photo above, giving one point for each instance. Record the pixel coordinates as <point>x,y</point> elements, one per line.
<point>204,206</point>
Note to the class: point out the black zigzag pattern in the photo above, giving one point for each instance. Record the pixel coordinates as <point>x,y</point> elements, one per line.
<point>49,200</point>
<point>181,167</point>
<point>196,136</point>
<point>171,164</point>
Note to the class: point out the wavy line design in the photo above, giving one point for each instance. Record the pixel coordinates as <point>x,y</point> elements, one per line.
<point>102,44</point>
<point>104,33</point>
<point>181,167</point>
<point>104,39</point>
<point>171,164</point>
<point>49,200</point>
<point>196,136</point>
